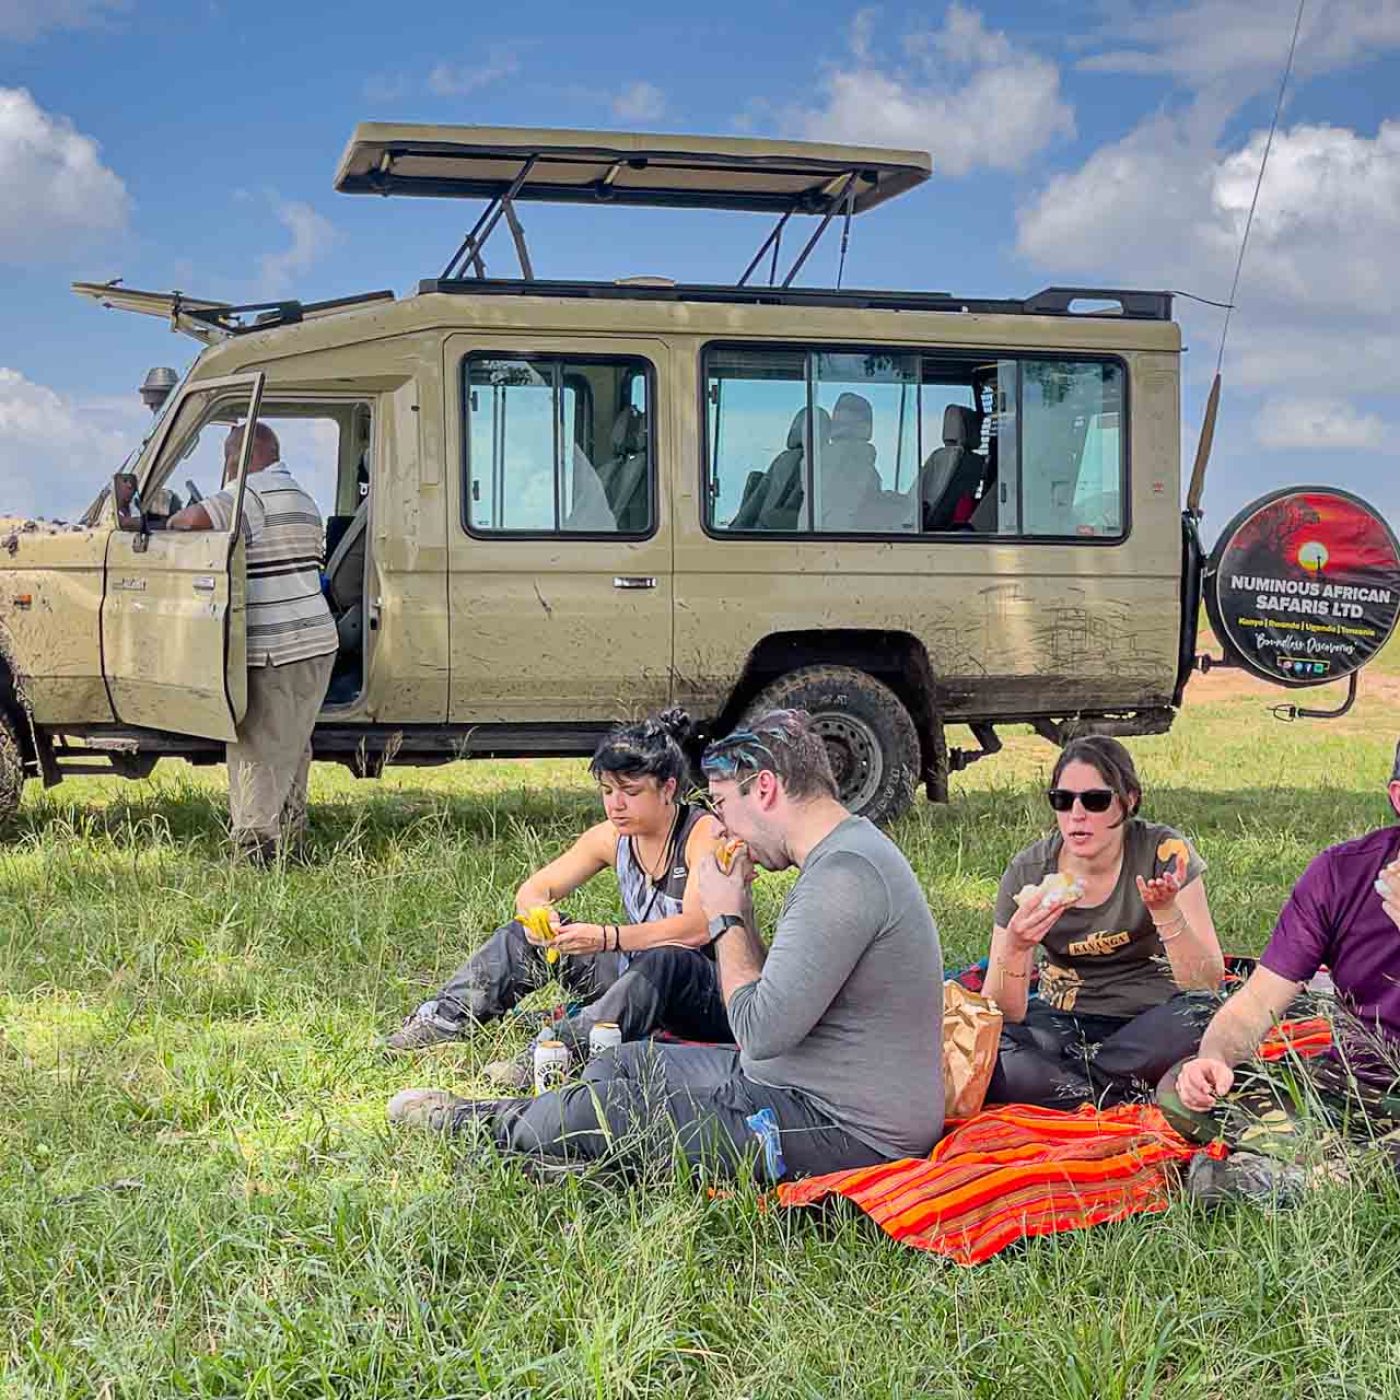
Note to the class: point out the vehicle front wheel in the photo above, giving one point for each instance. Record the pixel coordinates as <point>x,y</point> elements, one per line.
<point>870,737</point>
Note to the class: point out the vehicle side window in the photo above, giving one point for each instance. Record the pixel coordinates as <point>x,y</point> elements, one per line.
<point>192,455</point>
<point>557,446</point>
<point>759,425</point>
<point>1071,448</point>
<point>912,443</point>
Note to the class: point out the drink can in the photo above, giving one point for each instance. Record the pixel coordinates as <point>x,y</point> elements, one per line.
<point>606,1035</point>
<point>551,1065</point>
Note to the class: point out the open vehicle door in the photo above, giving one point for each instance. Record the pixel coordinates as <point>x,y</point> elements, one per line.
<point>174,629</point>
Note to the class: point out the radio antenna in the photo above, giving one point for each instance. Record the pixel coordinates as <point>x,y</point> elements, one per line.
<point>1203,446</point>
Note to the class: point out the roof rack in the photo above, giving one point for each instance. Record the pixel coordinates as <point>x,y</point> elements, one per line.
<point>1052,301</point>
<point>211,321</point>
<point>505,165</point>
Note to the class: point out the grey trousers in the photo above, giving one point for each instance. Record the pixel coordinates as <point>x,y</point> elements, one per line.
<point>268,764</point>
<point>636,1107</point>
<point>669,988</point>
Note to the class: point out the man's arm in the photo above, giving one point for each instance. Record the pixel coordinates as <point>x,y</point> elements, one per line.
<point>1233,1035</point>
<point>193,517</point>
<point>830,919</point>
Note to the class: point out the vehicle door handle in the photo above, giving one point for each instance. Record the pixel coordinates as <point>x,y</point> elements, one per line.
<point>633,581</point>
<point>204,584</point>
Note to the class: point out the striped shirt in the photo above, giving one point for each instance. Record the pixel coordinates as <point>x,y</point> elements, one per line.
<point>288,619</point>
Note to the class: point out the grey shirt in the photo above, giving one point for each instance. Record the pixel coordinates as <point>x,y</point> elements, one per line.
<point>849,1008</point>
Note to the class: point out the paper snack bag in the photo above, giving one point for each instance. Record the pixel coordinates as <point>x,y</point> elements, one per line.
<point>971,1033</point>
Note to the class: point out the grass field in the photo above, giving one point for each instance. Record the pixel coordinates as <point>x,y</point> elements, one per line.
<point>198,1195</point>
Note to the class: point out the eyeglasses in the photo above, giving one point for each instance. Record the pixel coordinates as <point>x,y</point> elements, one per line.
<point>707,801</point>
<point>1094,799</point>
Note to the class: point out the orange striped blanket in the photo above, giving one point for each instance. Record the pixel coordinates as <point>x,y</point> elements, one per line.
<point>1014,1171</point>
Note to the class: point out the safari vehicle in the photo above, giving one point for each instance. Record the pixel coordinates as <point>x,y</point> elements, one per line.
<point>554,504</point>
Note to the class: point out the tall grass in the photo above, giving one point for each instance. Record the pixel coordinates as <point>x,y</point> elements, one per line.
<point>198,1195</point>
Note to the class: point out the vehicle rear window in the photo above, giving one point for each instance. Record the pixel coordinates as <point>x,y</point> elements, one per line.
<point>912,443</point>
<point>557,445</point>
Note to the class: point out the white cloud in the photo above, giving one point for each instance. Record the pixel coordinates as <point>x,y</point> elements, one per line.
<point>23,20</point>
<point>58,194</point>
<point>1299,424</point>
<point>460,79</point>
<point>1317,322</point>
<point>56,452</point>
<point>1242,43</point>
<point>1162,207</point>
<point>639,102</point>
<point>969,95</point>
<point>311,235</point>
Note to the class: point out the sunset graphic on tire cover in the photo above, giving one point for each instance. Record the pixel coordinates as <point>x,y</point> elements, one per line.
<point>1304,586</point>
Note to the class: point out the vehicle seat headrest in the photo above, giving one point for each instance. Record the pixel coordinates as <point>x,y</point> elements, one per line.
<point>962,427</point>
<point>852,419</point>
<point>629,432</point>
<point>797,434</point>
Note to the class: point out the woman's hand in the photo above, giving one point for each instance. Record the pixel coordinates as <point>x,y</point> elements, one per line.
<point>1159,893</point>
<point>1030,923</point>
<point>579,938</point>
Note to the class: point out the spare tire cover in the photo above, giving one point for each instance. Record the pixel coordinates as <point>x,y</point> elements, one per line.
<point>1303,586</point>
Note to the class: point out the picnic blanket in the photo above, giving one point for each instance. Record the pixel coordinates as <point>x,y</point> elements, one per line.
<point>1014,1171</point>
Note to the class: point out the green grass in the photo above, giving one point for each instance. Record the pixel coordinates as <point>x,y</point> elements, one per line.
<point>198,1195</point>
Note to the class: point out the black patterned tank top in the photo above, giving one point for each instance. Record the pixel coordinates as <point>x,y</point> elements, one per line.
<point>644,901</point>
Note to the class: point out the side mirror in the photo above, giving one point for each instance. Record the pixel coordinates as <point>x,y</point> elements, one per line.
<point>131,514</point>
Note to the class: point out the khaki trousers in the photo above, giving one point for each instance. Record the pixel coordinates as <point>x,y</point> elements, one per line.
<point>267,766</point>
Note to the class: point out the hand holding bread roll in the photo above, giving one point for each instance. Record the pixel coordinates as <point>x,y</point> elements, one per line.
<point>1054,890</point>
<point>727,852</point>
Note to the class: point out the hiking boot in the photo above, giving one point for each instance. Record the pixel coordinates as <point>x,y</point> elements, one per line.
<point>516,1075</point>
<point>1245,1176</point>
<point>437,1110</point>
<point>423,1029</point>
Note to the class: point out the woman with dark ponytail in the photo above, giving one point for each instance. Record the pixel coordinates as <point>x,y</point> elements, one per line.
<point>654,969</point>
<point>1115,908</point>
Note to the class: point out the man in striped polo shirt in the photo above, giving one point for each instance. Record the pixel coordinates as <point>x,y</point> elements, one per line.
<point>292,642</point>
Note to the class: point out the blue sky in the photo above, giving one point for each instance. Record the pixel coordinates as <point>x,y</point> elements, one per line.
<point>193,146</point>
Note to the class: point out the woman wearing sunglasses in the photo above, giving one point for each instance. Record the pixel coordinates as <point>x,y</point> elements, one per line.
<point>1129,954</point>
<point>653,969</point>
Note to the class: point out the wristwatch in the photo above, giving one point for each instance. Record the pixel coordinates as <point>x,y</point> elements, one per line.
<point>722,923</point>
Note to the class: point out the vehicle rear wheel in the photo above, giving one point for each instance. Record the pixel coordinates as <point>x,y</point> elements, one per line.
<point>11,771</point>
<point>870,738</point>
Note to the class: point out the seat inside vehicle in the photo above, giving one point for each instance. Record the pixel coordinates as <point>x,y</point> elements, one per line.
<point>773,499</point>
<point>847,482</point>
<point>950,477</point>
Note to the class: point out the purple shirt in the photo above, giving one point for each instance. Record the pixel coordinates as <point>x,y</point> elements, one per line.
<point>1334,918</point>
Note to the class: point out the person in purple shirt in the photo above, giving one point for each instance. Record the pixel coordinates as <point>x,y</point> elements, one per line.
<point>1343,915</point>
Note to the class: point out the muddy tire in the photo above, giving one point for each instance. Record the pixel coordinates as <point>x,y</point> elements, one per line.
<point>11,772</point>
<point>869,735</point>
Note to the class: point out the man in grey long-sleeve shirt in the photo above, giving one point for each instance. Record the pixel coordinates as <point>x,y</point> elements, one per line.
<point>838,1022</point>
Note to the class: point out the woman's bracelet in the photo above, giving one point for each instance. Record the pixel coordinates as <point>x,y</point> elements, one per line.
<point>1177,926</point>
<point>1004,971</point>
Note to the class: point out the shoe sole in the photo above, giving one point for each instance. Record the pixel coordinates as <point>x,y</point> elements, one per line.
<point>398,1052</point>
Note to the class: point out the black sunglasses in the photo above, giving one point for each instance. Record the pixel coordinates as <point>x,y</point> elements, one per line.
<point>1094,799</point>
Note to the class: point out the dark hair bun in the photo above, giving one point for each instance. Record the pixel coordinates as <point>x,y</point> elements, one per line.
<point>677,723</point>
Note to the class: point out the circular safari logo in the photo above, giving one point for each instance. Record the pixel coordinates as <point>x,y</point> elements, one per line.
<point>1304,586</point>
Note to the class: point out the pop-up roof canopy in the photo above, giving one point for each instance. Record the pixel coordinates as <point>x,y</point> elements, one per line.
<point>504,165</point>
<point>698,172</point>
